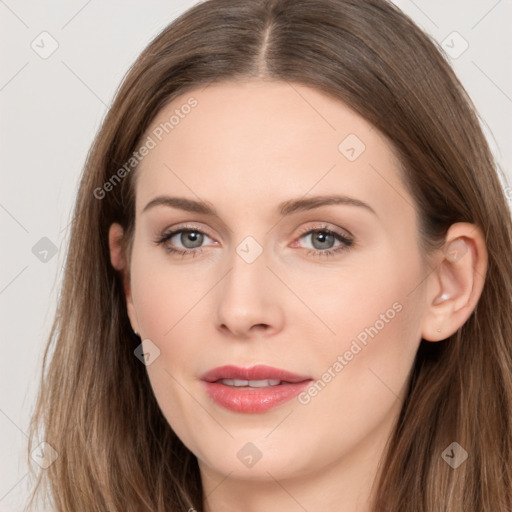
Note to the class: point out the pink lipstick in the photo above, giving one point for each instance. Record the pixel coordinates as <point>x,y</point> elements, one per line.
<point>252,390</point>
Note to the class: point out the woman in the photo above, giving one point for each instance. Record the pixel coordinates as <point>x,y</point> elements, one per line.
<point>288,284</point>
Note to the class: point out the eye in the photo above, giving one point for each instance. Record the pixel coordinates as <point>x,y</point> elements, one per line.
<point>323,241</point>
<point>190,238</point>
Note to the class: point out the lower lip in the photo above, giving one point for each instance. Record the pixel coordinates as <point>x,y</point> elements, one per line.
<point>253,400</point>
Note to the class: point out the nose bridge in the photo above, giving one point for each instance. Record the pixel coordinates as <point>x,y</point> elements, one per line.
<point>245,298</point>
<point>248,278</point>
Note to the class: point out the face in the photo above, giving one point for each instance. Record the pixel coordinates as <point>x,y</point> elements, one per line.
<point>291,242</point>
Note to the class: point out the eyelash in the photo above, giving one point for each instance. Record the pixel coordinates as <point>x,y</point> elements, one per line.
<point>346,243</point>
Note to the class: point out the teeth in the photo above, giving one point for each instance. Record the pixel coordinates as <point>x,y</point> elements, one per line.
<point>251,383</point>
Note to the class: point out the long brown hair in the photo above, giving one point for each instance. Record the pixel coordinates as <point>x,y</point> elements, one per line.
<point>96,408</point>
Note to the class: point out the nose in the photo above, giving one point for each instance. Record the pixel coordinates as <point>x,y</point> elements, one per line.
<point>249,299</point>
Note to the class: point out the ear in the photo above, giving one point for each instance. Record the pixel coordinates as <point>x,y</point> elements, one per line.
<point>456,283</point>
<point>118,260</point>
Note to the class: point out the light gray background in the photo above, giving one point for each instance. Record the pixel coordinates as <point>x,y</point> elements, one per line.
<point>51,109</point>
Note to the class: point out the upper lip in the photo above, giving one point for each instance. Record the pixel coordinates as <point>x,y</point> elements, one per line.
<point>258,372</point>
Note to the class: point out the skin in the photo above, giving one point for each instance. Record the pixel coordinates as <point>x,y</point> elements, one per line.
<point>246,148</point>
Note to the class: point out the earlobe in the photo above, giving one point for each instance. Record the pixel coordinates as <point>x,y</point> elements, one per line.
<point>455,286</point>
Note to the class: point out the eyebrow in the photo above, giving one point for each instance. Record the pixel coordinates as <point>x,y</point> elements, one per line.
<point>285,208</point>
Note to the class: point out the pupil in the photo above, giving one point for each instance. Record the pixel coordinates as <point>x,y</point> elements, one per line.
<point>192,237</point>
<point>325,239</point>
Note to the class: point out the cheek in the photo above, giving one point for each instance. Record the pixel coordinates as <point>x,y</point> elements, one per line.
<point>364,368</point>
<point>364,299</point>
<point>165,300</point>
<point>169,299</point>
<point>164,292</point>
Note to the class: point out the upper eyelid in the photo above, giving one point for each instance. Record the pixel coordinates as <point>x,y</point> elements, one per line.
<point>324,227</point>
<point>174,231</point>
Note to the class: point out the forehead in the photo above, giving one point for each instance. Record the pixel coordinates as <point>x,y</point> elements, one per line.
<point>266,142</point>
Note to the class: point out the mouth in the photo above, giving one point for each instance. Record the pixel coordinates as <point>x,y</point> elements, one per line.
<point>237,383</point>
<point>252,390</point>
